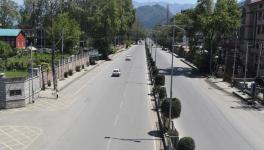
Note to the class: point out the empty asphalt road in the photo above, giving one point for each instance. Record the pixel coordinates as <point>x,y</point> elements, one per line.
<point>216,120</point>
<point>104,113</point>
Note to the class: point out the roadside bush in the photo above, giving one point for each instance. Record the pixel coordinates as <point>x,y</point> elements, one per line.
<point>174,136</point>
<point>49,83</point>
<point>154,71</point>
<point>92,62</point>
<point>78,68</point>
<point>82,66</point>
<point>65,74</point>
<point>162,93</point>
<point>186,143</point>
<point>70,72</point>
<point>155,89</point>
<point>175,108</point>
<point>160,80</point>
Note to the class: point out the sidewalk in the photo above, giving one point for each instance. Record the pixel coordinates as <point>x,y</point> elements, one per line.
<point>218,83</point>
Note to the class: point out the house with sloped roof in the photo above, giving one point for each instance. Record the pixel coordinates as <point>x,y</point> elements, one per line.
<point>15,37</point>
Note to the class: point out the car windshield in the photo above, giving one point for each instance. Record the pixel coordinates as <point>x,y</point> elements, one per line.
<point>116,70</point>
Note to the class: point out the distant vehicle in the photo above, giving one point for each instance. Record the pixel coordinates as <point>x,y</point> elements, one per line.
<point>128,57</point>
<point>116,73</point>
<point>163,48</point>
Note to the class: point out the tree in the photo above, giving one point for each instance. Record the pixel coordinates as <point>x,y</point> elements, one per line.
<point>159,80</point>
<point>186,143</point>
<point>5,52</point>
<point>8,13</point>
<point>175,108</point>
<point>71,28</point>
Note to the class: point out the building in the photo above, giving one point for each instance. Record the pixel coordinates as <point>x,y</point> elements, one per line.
<point>15,37</point>
<point>252,38</point>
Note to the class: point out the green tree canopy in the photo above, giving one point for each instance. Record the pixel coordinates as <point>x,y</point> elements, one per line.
<point>8,13</point>
<point>71,29</point>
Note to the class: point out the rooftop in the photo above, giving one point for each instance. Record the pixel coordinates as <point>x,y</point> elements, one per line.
<point>9,32</point>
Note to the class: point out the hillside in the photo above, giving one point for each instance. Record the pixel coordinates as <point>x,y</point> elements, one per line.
<point>149,16</point>
<point>174,7</point>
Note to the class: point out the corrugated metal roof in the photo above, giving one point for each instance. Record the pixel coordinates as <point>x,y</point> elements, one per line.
<point>9,32</point>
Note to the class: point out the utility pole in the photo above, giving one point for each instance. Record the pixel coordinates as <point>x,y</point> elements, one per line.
<point>235,55</point>
<point>259,59</point>
<point>172,72</point>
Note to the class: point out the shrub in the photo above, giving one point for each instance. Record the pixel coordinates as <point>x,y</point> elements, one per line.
<point>65,74</point>
<point>160,80</point>
<point>82,66</point>
<point>162,93</point>
<point>78,68</point>
<point>174,136</point>
<point>49,83</point>
<point>186,143</point>
<point>155,89</point>
<point>155,71</point>
<point>175,108</point>
<point>92,62</point>
<point>70,72</point>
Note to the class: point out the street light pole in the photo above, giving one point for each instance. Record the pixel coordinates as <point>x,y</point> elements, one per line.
<point>234,63</point>
<point>172,72</point>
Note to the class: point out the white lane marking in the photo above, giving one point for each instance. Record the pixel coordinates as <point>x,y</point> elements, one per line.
<point>116,120</point>
<point>108,144</point>
<point>121,104</point>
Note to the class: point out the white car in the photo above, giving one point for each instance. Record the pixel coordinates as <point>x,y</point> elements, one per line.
<point>128,57</point>
<point>116,73</point>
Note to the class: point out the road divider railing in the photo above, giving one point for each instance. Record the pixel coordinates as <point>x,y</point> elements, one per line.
<point>166,108</point>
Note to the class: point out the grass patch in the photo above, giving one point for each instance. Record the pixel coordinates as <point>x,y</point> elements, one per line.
<point>15,74</point>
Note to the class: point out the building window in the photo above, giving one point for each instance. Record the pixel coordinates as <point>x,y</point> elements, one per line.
<point>260,5</point>
<point>15,92</point>
<point>262,29</point>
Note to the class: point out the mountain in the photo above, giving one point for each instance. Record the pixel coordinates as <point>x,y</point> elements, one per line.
<point>149,16</point>
<point>174,7</point>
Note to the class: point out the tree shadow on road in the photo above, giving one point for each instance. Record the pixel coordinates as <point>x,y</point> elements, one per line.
<point>182,71</point>
<point>247,107</point>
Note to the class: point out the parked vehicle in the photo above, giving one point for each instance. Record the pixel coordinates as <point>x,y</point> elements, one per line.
<point>116,73</point>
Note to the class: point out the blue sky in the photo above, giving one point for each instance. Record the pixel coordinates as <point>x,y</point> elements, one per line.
<point>20,2</point>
